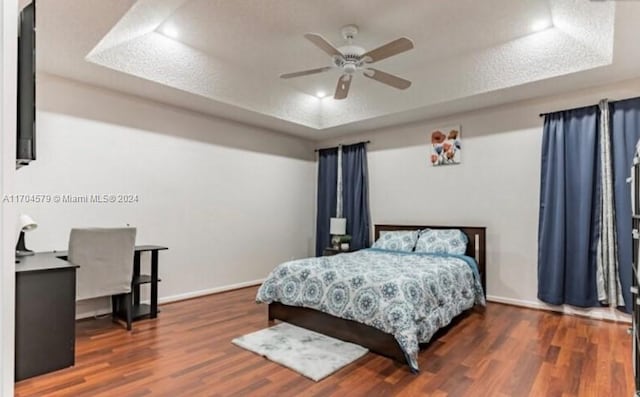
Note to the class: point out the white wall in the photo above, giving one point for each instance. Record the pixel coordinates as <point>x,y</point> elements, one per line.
<point>8,70</point>
<point>230,201</point>
<point>497,185</point>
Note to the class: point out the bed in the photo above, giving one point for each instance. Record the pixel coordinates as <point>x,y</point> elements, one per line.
<point>387,301</point>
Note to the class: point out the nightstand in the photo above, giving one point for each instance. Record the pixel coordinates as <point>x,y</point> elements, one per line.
<point>329,251</point>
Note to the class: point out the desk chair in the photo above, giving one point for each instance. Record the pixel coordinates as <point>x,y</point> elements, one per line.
<point>105,257</point>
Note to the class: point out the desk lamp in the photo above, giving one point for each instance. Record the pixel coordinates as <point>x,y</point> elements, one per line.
<point>26,224</point>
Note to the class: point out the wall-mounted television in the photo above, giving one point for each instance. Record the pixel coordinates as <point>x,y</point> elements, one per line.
<point>26,139</point>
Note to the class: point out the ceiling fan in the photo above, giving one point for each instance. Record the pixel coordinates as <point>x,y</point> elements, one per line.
<point>352,58</point>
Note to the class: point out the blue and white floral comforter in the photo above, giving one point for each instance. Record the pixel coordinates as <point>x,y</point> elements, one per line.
<point>408,295</point>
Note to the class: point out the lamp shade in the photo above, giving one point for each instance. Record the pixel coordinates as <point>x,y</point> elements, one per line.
<point>26,223</point>
<point>338,226</point>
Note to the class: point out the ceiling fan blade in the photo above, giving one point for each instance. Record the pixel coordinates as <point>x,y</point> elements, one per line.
<point>342,89</point>
<point>390,49</point>
<point>304,72</point>
<point>388,79</point>
<point>323,44</point>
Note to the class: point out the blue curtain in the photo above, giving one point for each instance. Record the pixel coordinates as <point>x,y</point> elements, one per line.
<point>625,133</point>
<point>327,196</point>
<point>355,194</point>
<point>569,202</point>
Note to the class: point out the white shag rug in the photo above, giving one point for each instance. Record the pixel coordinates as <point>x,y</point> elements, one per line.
<point>309,353</point>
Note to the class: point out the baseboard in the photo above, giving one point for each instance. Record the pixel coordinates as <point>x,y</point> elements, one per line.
<point>93,307</point>
<point>593,313</point>
<point>209,291</point>
<point>604,313</point>
<point>105,306</point>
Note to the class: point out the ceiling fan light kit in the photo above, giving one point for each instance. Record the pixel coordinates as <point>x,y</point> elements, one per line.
<point>351,58</point>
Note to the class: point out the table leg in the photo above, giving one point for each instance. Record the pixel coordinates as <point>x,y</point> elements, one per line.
<point>154,284</point>
<point>136,274</point>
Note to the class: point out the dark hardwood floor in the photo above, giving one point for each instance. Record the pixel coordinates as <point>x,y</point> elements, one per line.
<point>187,351</point>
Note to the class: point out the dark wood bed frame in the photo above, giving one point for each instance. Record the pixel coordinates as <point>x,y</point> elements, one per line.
<point>375,340</point>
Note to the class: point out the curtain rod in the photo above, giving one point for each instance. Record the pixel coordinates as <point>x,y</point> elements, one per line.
<point>580,107</point>
<point>317,150</point>
<point>564,110</point>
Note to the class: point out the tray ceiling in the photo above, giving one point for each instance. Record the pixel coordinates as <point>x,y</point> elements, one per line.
<point>225,56</point>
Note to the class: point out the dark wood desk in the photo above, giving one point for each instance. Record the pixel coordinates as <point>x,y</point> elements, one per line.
<point>46,308</point>
<point>141,310</point>
<point>45,314</point>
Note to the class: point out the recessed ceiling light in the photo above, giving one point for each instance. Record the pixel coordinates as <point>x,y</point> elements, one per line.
<point>321,94</point>
<point>540,25</point>
<point>170,31</point>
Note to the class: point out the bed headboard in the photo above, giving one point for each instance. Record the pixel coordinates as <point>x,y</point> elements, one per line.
<point>476,248</point>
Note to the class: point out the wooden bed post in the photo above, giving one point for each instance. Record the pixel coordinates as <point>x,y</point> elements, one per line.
<point>270,316</point>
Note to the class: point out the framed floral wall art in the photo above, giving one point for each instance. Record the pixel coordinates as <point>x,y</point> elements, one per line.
<point>446,146</point>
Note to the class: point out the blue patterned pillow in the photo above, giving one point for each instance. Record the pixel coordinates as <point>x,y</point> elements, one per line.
<point>404,240</point>
<point>442,241</point>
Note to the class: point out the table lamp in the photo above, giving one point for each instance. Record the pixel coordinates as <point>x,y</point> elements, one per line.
<point>337,228</point>
<point>25,224</point>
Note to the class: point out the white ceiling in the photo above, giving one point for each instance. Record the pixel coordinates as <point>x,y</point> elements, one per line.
<point>227,58</point>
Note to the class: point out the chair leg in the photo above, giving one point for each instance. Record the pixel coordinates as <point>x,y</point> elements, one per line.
<point>114,307</point>
<point>128,309</point>
<point>122,308</point>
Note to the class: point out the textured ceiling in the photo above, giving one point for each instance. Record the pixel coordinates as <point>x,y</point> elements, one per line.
<point>228,54</point>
